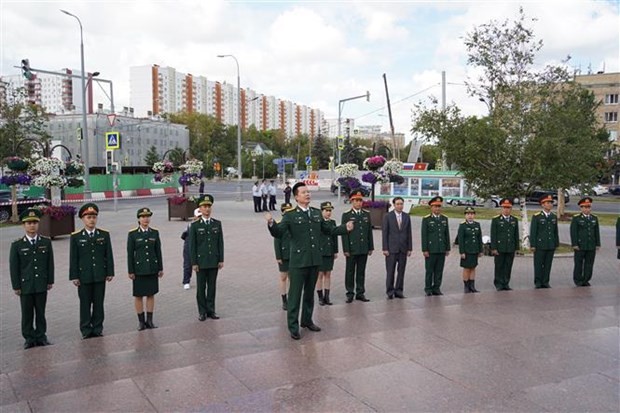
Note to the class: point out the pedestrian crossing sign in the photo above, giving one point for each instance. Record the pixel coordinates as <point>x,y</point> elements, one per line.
<point>112,140</point>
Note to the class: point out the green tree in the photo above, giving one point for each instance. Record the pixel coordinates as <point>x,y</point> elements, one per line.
<point>321,151</point>
<point>541,128</point>
<point>152,156</point>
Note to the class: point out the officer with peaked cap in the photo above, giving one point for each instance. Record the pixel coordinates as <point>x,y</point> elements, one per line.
<point>470,247</point>
<point>206,250</point>
<point>31,262</point>
<point>585,237</point>
<point>357,246</point>
<point>544,240</point>
<point>91,264</point>
<point>329,251</point>
<point>435,246</point>
<point>504,244</point>
<point>144,266</point>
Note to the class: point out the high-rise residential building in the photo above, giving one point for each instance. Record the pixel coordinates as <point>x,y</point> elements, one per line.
<point>54,93</point>
<point>606,88</point>
<point>156,90</point>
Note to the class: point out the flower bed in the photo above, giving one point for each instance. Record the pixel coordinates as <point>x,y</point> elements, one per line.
<point>57,220</point>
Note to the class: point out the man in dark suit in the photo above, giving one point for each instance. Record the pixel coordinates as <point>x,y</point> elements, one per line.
<point>397,246</point>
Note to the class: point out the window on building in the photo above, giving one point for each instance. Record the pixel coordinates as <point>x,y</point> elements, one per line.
<point>611,116</point>
<point>611,99</point>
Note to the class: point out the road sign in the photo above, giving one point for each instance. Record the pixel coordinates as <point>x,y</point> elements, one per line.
<point>308,160</point>
<point>112,140</point>
<point>288,161</point>
<point>111,119</point>
<point>340,142</point>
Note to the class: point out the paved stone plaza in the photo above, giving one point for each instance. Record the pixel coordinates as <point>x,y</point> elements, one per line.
<point>526,350</point>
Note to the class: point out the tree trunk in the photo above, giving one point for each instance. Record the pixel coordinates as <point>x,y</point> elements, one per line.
<point>561,203</point>
<point>14,215</point>
<point>525,225</point>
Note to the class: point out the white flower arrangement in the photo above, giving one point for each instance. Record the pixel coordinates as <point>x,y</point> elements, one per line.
<point>163,167</point>
<point>192,167</point>
<point>347,170</point>
<point>161,178</point>
<point>74,168</point>
<point>49,181</point>
<point>47,166</point>
<point>393,167</point>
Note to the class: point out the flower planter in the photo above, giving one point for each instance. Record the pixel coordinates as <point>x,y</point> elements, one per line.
<point>52,228</point>
<point>183,210</point>
<point>376,216</point>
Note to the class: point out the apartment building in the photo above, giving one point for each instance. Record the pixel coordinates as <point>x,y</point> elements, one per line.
<point>606,88</point>
<point>156,90</point>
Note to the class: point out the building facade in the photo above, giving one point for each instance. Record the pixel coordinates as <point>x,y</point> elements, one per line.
<point>606,87</point>
<point>156,90</point>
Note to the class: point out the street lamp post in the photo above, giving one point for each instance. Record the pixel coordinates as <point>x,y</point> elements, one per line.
<point>340,107</point>
<point>85,157</point>
<point>240,193</point>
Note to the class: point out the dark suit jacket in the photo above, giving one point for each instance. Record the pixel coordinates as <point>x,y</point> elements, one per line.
<point>394,239</point>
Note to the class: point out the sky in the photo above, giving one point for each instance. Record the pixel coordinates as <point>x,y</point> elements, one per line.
<point>310,52</point>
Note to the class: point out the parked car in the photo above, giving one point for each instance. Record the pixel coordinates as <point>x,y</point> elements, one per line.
<point>599,190</point>
<point>535,195</point>
<point>614,190</point>
<point>5,203</point>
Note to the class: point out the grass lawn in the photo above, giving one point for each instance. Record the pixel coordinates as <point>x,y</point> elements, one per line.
<point>488,213</point>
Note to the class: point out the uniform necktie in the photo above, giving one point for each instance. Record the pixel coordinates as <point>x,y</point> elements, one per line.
<point>91,234</point>
<point>33,241</point>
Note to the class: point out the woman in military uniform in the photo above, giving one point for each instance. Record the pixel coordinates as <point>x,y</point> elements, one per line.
<point>329,249</point>
<point>282,248</point>
<point>470,248</point>
<point>144,266</point>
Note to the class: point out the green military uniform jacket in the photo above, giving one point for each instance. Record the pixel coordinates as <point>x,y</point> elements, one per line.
<point>359,241</point>
<point>435,234</point>
<point>585,232</point>
<point>470,238</point>
<point>90,258</point>
<point>305,229</point>
<point>206,243</point>
<point>282,247</point>
<point>329,243</point>
<point>31,266</point>
<point>144,252</point>
<point>544,231</point>
<point>504,234</point>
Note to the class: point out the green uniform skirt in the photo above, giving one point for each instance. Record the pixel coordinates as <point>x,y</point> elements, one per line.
<point>327,264</point>
<point>470,261</point>
<point>284,266</point>
<point>145,285</point>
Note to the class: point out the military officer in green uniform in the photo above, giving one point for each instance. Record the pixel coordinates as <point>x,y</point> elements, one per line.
<point>435,246</point>
<point>91,264</point>
<point>329,250</point>
<point>357,246</point>
<point>544,240</point>
<point>304,224</point>
<point>144,266</point>
<point>504,244</point>
<point>470,247</point>
<point>585,237</point>
<point>206,250</point>
<point>31,262</point>
<point>282,248</point>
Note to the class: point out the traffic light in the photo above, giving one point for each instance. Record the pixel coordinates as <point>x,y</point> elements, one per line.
<point>26,69</point>
<point>109,162</point>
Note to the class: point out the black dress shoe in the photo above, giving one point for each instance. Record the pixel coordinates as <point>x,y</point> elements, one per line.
<point>295,335</point>
<point>349,300</point>
<point>362,298</point>
<point>507,289</point>
<point>428,293</point>
<point>399,296</point>
<point>28,345</point>
<point>390,296</point>
<point>546,286</point>
<point>437,292</point>
<point>202,317</point>
<point>312,327</point>
<point>585,284</point>
<point>44,342</point>
<point>214,316</point>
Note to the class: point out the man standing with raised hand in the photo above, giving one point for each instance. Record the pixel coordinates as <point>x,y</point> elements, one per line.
<point>304,224</point>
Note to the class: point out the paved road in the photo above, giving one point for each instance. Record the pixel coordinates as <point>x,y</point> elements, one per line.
<point>248,283</point>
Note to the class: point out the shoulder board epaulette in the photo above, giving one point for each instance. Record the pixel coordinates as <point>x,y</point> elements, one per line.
<point>497,216</point>
<point>18,239</point>
<point>538,213</point>
<point>44,237</point>
<point>576,215</point>
<point>365,210</point>
<point>442,215</point>
<point>154,229</point>
<point>464,222</point>
<point>594,216</point>
<point>314,208</point>
<point>76,232</point>
<point>103,230</point>
<point>426,216</point>
<point>133,229</point>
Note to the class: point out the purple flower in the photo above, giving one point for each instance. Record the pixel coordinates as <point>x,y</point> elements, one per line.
<point>376,204</point>
<point>59,212</point>
<point>369,177</point>
<point>16,179</point>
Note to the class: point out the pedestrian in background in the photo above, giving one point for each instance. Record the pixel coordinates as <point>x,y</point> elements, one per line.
<point>470,247</point>
<point>504,244</point>
<point>544,240</point>
<point>435,246</point>
<point>256,195</point>
<point>585,238</point>
<point>264,194</point>
<point>91,265</point>
<point>329,251</point>
<point>271,190</point>
<point>31,263</point>
<point>206,250</point>
<point>144,266</point>
<point>397,246</point>
<point>287,193</point>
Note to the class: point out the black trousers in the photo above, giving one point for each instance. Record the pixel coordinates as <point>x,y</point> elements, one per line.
<point>542,267</point>
<point>91,307</point>
<point>257,201</point>
<point>265,206</point>
<point>272,202</point>
<point>187,265</point>
<point>503,269</point>
<point>434,272</point>
<point>301,282</point>
<point>355,275</point>
<point>34,325</point>
<point>584,265</point>
<point>206,279</point>
<point>391,262</point>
